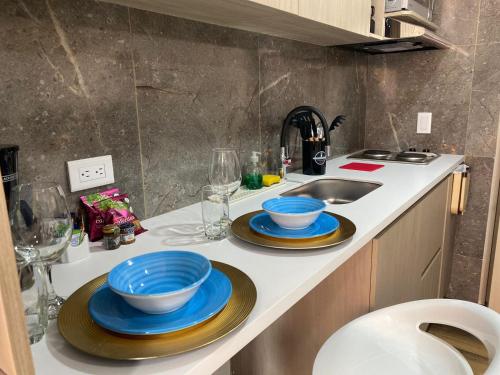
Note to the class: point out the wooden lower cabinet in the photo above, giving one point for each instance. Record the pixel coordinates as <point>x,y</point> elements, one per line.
<point>408,255</point>
<point>289,346</point>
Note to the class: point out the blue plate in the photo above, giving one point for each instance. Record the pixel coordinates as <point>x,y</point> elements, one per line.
<point>263,224</point>
<point>110,311</point>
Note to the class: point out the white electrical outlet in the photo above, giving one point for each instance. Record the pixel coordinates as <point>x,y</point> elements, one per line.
<point>424,121</point>
<point>92,173</point>
<point>89,173</point>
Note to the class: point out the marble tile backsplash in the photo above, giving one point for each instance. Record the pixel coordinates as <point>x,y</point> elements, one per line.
<point>85,78</point>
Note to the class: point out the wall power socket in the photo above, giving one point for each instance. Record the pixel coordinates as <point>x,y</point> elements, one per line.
<point>424,121</point>
<point>88,173</point>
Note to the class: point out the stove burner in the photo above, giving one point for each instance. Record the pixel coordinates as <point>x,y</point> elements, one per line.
<point>406,157</point>
<point>376,154</point>
<point>411,156</point>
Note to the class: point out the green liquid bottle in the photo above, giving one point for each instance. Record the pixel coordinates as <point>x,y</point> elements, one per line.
<point>253,175</point>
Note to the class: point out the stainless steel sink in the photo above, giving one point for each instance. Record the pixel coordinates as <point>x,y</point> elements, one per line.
<point>333,190</point>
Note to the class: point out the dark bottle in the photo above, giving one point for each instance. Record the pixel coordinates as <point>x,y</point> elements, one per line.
<point>372,20</point>
<point>388,28</point>
<point>8,167</point>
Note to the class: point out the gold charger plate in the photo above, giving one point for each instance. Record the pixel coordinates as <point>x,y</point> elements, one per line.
<point>78,328</point>
<point>241,229</point>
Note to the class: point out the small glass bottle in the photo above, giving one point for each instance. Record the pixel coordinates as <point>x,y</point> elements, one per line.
<point>127,233</point>
<point>111,238</point>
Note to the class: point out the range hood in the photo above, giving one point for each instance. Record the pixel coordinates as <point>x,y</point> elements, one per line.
<point>403,37</point>
<point>425,41</point>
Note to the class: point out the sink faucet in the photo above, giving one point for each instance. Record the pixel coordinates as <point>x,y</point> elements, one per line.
<point>291,118</point>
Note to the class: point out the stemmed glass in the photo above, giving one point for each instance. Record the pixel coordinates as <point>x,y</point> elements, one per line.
<point>41,227</point>
<point>225,173</point>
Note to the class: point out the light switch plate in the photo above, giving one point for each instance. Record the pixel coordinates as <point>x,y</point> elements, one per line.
<point>424,121</point>
<point>88,173</point>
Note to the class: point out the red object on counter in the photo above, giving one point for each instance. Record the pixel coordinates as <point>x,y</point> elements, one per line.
<point>365,167</point>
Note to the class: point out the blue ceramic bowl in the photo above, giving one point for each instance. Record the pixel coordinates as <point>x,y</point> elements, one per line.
<point>294,212</point>
<point>159,282</point>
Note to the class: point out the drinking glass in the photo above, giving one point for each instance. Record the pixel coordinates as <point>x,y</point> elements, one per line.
<point>225,173</point>
<point>34,297</point>
<point>214,207</point>
<point>41,227</point>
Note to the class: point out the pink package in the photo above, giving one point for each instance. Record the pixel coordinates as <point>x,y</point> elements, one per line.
<point>116,210</point>
<point>95,218</point>
<point>108,207</point>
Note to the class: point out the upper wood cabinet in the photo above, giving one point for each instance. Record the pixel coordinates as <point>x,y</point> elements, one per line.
<point>320,22</point>
<point>351,15</point>
<point>291,6</point>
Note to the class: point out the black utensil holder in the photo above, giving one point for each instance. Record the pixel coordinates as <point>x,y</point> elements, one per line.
<point>313,157</point>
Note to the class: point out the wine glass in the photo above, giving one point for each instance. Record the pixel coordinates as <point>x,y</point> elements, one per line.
<point>41,227</point>
<point>225,173</point>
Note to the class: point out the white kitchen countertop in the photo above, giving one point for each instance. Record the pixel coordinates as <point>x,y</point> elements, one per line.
<point>281,277</point>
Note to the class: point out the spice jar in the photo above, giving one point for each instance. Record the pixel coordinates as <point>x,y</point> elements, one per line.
<point>127,233</point>
<point>111,234</point>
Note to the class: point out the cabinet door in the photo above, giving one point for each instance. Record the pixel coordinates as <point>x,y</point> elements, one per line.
<point>394,260</point>
<point>407,256</point>
<point>291,6</point>
<point>352,15</point>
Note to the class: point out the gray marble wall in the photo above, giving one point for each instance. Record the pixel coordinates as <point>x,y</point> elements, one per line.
<point>85,78</point>
<point>462,89</point>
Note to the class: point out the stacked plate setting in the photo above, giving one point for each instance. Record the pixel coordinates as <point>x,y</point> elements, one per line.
<point>294,218</point>
<point>159,293</point>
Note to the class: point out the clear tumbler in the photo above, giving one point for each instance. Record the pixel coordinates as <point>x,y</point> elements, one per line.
<point>215,208</point>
